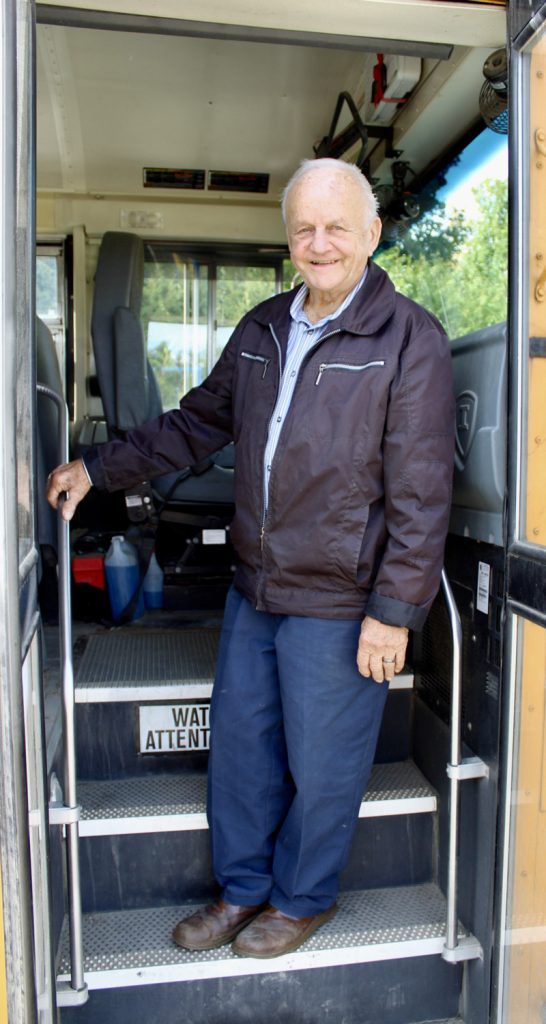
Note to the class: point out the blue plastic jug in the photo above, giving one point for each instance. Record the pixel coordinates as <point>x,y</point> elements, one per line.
<point>153,584</point>
<point>122,577</point>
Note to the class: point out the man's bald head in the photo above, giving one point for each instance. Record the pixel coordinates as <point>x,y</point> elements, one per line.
<point>331,173</point>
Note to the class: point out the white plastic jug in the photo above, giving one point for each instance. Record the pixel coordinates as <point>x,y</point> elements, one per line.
<point>153,584</point>
<point>122,577</point>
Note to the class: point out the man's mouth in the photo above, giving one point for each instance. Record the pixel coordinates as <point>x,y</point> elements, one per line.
<point>323,263</point>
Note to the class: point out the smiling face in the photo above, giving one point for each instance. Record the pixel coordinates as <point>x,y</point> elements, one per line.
<point>329,236</point>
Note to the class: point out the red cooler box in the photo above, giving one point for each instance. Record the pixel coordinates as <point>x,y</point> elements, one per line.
<point>89,569</point>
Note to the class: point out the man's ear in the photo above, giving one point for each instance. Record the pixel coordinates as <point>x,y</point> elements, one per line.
<point>374,233</point>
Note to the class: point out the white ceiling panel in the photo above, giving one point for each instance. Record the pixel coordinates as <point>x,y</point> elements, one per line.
<point>110,103</point>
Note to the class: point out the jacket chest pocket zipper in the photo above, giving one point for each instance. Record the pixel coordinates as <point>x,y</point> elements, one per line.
<point>347,366</point>
<point>257,359</point>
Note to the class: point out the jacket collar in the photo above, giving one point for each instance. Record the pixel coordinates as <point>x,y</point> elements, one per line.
<point>370,309</point>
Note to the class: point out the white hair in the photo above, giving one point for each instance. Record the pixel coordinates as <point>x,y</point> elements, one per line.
<point>349,171</point>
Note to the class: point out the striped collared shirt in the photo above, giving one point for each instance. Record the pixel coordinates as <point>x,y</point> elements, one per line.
<point>302,338</point>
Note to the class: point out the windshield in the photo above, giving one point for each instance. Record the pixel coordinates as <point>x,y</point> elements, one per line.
<point>453,259</point>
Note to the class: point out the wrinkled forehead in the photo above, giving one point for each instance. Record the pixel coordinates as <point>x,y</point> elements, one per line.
<point>326,197</point>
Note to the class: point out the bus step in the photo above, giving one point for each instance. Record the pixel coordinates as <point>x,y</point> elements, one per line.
<point>142,665</point>
<point>176,803</point>
<point>134,948</point>
<point>129,665</point>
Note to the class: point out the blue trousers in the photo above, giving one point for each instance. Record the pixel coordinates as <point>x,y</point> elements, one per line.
<point>294,729</point>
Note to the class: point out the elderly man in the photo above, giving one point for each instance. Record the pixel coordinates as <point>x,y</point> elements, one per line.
<point>338,396</point>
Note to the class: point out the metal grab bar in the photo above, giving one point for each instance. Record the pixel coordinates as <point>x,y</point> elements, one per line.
<point>457,770</point>
<point>455,760</point>
<point>68,814</point>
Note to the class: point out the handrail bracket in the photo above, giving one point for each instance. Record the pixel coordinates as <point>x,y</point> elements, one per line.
<point>467,948</point>
<point>468,768</point>
<point>68,996</point>
<point>59,814</point>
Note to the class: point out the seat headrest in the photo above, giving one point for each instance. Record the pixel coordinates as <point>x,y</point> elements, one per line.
<point>118,284</point>
<point>47,363</point>
<point>47,453</point>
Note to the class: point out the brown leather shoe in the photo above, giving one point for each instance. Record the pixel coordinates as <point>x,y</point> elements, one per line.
<point>273,933</point>
<point>213,925</point>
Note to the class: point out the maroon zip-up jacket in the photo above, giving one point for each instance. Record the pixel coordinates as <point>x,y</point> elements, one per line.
<point>360,484</point>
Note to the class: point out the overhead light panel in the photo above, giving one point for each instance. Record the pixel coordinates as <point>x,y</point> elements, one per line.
<point>173,177</point>
<point>238,181</point>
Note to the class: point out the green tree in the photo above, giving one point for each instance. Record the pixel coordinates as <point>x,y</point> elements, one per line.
<point>238,289</point>
<point>436,235</point>
<point>457,268</point>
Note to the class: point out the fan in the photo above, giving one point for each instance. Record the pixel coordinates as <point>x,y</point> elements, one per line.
<point>494,92</point>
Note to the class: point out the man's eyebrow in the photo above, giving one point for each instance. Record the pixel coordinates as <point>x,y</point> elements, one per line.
<point>335,222</point>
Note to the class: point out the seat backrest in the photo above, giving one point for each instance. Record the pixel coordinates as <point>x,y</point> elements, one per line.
<point>47,453</point>
<point>480,383</point>
<point>129,391</point>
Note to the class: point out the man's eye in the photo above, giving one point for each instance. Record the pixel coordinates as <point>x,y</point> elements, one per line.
<point>301,232</point>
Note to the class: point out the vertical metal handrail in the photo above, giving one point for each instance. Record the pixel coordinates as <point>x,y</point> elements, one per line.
<point>459,769</point>
<point>455,761</point>
<point>77,981</point>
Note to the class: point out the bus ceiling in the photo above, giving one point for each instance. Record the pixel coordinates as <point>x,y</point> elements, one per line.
<point>255,92</point>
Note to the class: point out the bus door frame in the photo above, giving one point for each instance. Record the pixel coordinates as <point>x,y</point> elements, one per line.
<point>525,647</point>
<point>28,970</point>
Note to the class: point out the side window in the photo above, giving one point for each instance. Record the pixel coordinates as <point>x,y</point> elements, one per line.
<point>175,314</point>
<point>238,289</point>
<point>190,304</point>
<point>453,259</point>
<point>50,298</point>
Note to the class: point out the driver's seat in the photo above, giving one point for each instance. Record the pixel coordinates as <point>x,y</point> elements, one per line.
<point>126,381</point>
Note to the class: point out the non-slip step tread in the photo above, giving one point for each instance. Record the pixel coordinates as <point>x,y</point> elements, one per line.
<point>134,947</point>
<point>130,660</point>
<point>177,802</point>
<point>180,664</point>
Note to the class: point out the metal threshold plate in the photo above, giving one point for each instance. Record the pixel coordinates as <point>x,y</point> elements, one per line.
<point>134,947</point>
<point>176,803</point>
<point>128,665</point>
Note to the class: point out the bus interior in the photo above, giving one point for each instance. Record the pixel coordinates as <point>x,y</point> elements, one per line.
<point>162,147</point>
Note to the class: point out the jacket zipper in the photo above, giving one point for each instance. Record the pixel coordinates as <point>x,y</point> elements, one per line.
<point>347,366</point>
<point>264,510</point>
<point>323,337</point>
<point>257,359</point>
<point>279,350</point>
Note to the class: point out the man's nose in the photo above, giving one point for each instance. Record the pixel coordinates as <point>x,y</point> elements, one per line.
<point>321,240</point>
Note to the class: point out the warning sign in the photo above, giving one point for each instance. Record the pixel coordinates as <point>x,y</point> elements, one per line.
<point>171,728</point>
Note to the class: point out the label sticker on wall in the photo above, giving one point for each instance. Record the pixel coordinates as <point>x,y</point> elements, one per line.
<point>484,572</point>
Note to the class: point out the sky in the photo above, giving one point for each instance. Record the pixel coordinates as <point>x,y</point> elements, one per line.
<point>485,157</point>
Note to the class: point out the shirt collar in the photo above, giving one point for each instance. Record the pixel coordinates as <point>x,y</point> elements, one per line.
<point>299,316</point>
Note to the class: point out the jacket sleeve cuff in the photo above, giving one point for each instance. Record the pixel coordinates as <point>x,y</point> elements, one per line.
<point>86,471</point>
<point>93,467</point>
<point>396,613</point>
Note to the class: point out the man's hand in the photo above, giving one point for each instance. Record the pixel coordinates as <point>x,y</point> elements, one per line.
<point>381,649</point>
<point>70,480</point>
